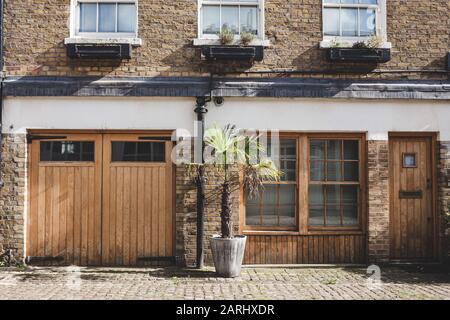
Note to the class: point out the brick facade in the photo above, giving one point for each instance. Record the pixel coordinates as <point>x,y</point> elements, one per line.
<point>378,200</point>
<point>12,195</point>
<point>444,195</point>
<point>186,214</point>
<point>418,31</point>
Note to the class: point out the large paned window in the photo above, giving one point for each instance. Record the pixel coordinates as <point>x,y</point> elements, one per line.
<point>106,17</point>
<point>321,188</point>
<point>238,16</point>
<point>334,182</point>
<point>351,18</point>
<point>277,204</point>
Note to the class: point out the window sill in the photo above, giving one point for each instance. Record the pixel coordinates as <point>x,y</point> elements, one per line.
<point>136,42</point>
<point>216,42</point>
<point>326,44</point>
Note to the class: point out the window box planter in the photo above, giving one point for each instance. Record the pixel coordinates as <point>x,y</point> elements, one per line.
<point>359,55</point>
<point>240,53</point>
<point>117,51</point>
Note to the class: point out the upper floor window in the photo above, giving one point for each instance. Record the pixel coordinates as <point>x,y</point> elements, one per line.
<point>117,18</point>
<point>354,20</point>
<point>238,16</point>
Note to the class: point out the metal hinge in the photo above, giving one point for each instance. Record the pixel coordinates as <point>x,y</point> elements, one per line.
<point>155,138</point>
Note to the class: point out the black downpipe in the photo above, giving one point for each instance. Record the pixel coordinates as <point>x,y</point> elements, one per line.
<point>201,110</point>
<point>1,91</point>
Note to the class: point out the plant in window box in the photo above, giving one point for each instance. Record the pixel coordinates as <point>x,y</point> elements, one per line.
<point>361,51</point>
<point>247,38</point>
<point>226,36</point>
<point>230,149</point>
<point>229,50</point>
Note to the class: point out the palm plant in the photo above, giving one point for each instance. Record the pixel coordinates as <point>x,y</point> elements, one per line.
<point>230,147</point>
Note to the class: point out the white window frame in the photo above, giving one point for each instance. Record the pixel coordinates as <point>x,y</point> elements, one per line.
<point>212,38</point>
<point>380,20</point>
<point>100,37</point>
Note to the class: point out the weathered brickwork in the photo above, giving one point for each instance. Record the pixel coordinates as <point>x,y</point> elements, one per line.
<point>12,195</point>
<point>418,31</point>
<point>186,213</point>
<point>444,195</point>
<point>378,200</point>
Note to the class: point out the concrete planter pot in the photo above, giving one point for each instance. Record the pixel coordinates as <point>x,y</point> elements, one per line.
<point>228,255</point>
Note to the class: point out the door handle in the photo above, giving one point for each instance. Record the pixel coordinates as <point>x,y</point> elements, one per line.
<point>429,184</point>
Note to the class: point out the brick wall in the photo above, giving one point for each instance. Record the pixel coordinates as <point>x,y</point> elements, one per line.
<point>444,195</point>
<point>418,30</point>
<point>378,200</point>
<point>186,214</point>
<point>12,195</point>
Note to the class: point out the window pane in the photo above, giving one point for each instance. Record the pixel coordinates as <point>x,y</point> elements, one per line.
<point>107,17</point>
<point>317,149</point>
<point>124,151</point>
<point>287,194</point>
<point>249,20</point>
<point>270,195</point>
<point>270,217</point>
<point>252,217</point>
<point>334,195</point>
<point>350,215</point>
<point>350,202</point>
<point>126,17</point>
<point>88,17</point>
<point>349,1</point>
<point>211,19</point>
<point>316,216</point>
<point>333,215</point>
<point>334,148</point>
<point>316,195</point>
<point>334,171</point>
<point>230,18</point>
<point>287,216</point>
<point>350,195</point>
<point>367,23</point>
<point>288,159</point>
<point>368,1</point>
<point>351,171</point>
<point>349,22</point>
<point>351,148</point>
<point>331,21</point>
<point>317,171</point>
<point>67,151</point>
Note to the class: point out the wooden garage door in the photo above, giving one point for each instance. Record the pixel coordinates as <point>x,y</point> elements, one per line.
<point>411,181</point>
<point>64,223</point>
<point>137,202</point>
<point>100,200</point>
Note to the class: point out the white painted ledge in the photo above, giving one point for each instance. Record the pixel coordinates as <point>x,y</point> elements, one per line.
<point>216,42</point>
<point>349,43</point>
<point>137,42</point>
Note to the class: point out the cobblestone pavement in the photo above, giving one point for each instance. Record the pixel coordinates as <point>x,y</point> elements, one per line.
<point>255,283</point>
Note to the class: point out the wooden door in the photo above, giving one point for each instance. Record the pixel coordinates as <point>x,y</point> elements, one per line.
<point>411,183</point>
<point>64,221</point>
<point>137,200</point>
